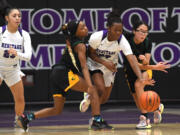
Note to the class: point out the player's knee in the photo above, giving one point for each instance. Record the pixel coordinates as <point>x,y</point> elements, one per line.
<point>19,100</point>
<point>138,84</point>
<point>101,91</point>
<point>92,93</point>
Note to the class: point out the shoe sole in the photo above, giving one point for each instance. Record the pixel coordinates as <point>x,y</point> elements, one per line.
<point>146,127</point>
<point>21,126</point>
<point>161,111</point>
<point>16,124</point>
<point>81,104</point>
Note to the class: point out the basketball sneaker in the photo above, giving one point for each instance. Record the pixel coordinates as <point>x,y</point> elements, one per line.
<point>23,122</point>
<point>91,121</point>
<point>84,105</point>
<point>15,122</point>
<point>144,123</point>
<point>158,114</point>
<point>102,125</point>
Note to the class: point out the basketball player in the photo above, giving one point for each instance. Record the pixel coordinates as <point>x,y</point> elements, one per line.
<point>141,47</point>
<point>71,73</point>
<point>104,47</point>
<point>15,45</point>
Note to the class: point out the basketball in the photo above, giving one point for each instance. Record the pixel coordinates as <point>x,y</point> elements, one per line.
<point>149,101</point>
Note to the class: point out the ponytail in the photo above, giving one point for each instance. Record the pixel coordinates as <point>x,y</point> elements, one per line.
<point>4,10</point>
<point>64,29</point>
<point>68,37</point>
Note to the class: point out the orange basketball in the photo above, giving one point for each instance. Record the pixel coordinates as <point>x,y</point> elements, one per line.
<point>149,101</point>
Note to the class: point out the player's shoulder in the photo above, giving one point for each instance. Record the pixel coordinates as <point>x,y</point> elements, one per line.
<point>123,36</point>
<point>123,39</point>
<point>97,35</point>
<point>25,33</point>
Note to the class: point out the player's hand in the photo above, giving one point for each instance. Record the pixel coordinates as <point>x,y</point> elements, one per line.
<point>148,81</point>
<point>12,51</point>
<point>161,66</point>
<point>111,66</point>
<point>143,59</point>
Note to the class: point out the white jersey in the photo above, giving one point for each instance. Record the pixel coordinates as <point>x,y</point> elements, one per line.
<point>107,50</point>
<point>21,43</point>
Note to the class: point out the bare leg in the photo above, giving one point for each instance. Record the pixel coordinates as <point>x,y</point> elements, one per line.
<point>139,88</point>
<point>52,111</point>
<point>103,92</point>
<point>100,84</point>
<point>18,94</point>
<point>106,94</point>
<point>94,98</point>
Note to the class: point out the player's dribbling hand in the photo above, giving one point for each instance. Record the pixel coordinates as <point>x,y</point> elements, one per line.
<point>111,66</point>
<point>12,51</point>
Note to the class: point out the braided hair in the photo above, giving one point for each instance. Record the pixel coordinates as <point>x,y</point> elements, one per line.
<point>69,31</point>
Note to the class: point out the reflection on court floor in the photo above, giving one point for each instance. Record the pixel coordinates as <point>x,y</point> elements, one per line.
<point>120,129</point>
<point>72,122</point>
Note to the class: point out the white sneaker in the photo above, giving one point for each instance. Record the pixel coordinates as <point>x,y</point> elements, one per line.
<point>157,114</point>
<point>91,121</point>
<point>84,105</point>
<point>143,123</point>
<point>15,122</point>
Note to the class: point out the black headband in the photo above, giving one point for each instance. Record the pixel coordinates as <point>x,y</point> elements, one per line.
<point>72,27</point>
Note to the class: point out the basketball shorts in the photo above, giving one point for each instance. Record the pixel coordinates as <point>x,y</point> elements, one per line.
<point>62,79</point>
<point>11,77</point>
<point>108,77</point>
<point>131,78</point>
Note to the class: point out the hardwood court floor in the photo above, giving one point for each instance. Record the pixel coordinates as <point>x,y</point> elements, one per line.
<point>120,129</point>
<point>72,122</point>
